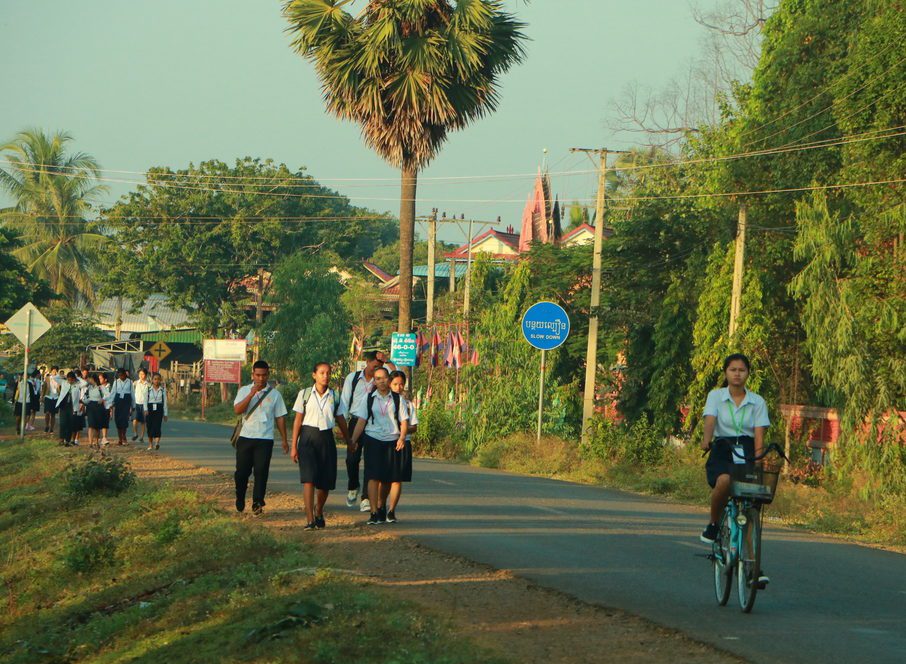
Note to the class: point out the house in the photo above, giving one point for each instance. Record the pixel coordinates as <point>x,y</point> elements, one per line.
<point>500,245</point>
<point>583,234</point>
<point>154,315</point>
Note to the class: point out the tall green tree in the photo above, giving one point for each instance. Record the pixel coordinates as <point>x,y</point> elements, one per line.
<point>54,191</point>
<point>17,286</point>
<point>409,72</point>
<point>307,325</point>
<point>201,233</point>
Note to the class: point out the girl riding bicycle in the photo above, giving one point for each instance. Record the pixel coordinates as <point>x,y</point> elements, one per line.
<point>735,421</point>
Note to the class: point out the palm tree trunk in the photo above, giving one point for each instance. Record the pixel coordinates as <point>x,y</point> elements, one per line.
<point>407,238</point>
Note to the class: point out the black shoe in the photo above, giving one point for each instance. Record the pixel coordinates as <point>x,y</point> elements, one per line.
<point>319,521</point>
<point>310,526</point>
<point>391,517</point>
<point>709,535</point>
<point>257,509</point>
<point>240,504</point>
<point>373,520</point>
<point>134,438</point>
<point>382,514</point>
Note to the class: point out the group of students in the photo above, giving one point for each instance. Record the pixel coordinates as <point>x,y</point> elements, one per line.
<point>372,414</point>
<point>85,399</point>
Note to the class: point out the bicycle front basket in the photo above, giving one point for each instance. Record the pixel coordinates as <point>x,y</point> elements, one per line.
<point>754,483</point>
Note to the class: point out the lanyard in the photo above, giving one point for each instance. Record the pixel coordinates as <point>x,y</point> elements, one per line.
<point>736,425</point>
<point>322,402</point>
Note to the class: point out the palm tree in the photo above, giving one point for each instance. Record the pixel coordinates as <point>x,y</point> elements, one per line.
<point>408,71</point>
<point>53,193</point>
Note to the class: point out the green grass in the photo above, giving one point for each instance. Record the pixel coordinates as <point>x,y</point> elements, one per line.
<point>160,574</point>
<point>221,413</point>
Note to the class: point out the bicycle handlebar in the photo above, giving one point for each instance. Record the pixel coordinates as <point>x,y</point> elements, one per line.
<point>773,447</point>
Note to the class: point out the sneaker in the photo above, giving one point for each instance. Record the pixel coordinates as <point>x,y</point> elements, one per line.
<point>373,520</point>
<point>157,446</point>
<point>310,526</point>
<point>104,442</point>
<point>382,514</point>
<point>762,582</point>
<point>351,497</point>
<point>391,517</point>
<point>240,504</point>
<point>257,509</point>
<point>319,521</point>
<point>365,506</point>
<point>150,447</point>
<point>710,533</point>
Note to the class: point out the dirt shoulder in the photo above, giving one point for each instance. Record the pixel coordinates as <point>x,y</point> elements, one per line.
<point>497,610</point>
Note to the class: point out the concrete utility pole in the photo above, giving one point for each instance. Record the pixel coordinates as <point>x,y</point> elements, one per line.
<point>738,267</point>
<point>432,241</point>
<point>465,298</point>
<point>591,355</point>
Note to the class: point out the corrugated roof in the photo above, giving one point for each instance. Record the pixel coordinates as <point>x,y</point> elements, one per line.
<point>441,270</point>
<point>154,315</point>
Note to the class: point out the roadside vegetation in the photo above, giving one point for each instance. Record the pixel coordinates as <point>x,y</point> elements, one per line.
<point>102,567</point>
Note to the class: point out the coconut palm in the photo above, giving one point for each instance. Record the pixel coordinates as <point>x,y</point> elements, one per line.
<point>53,193</point>
<point>409,72</point>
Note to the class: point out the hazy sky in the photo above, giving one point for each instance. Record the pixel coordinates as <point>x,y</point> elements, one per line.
<point>169,82</point>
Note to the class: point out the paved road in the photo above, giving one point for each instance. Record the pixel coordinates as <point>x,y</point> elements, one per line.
<point>828,601</point>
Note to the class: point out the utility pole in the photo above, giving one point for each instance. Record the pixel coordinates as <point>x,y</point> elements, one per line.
<point>591,355</point>
<point>465,298</point>
<point>259,314</point>
<point>738,267</point>
<point>432,241</point>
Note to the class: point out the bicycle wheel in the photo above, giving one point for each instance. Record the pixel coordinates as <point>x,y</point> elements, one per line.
<point>749,564</point>
<point>722,563</point>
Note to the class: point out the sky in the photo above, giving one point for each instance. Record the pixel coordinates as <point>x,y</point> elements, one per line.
<point>166,83</point>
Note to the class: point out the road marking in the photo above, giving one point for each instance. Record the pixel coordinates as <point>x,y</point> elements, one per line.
<point>444,482</point>
<point>548,509</point>
<point>731,638</point>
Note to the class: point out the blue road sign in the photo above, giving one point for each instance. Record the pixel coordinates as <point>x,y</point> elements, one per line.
<point>545,325</point>
<point>403,349</point>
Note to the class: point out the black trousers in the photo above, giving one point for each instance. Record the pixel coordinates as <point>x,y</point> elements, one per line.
<point>253,455</point>
<point>354,460</point>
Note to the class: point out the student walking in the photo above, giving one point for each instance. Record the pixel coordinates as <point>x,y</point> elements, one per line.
<point>314,447</point>
<point>156,411</point>
<point>140,398</point>
<point>356,388</point>
<point>68,406</point>
<point>262,407</point>
<point>79,420</point>
<point>107,392</point>
<point>400,461</point>
<point>93,399</point>
<point>122,404</point>
<point>51,391</point>
<point>22,411</point>
<point>383,419</point>
<point>35,385</point>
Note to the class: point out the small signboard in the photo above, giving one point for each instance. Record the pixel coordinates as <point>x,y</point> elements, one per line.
<point>223,371</point>
<point>20,322</point>
<point>225,349</point>
<point>545,325</point>
<point>403,349</point>
<point>160,350</point>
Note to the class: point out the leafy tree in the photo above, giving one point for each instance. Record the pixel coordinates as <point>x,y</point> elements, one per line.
<point>308,325</point>
<point>198,234</point>
<point>17,286</point>
<point>362,302</point>
<point>53,193</point>
<point>408,72</point>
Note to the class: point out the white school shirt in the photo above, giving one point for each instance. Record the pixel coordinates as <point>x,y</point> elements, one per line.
<point>362,389</point>
<point>261,423</point>
<point>107,391</point>
<point>65,388</point>
<point>53,387</point>
<point>157,398</point>
<point>383,425</point>
<point>751,413</point>
<point>92,393</point>
<point>140,388</point>
<point>319,411</point>
<point>413,417</point>
<point>122,388</point>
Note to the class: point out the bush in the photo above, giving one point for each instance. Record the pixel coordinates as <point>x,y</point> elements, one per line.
<point>107,476</point>
<point>613,442</point>
<point>436,425</point>
<point>88,551</point>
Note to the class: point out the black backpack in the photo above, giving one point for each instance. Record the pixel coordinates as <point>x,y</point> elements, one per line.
<point>396,407</point>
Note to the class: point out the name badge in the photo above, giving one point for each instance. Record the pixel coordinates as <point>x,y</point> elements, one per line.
<point>154,407</point>
<point>739,454</point>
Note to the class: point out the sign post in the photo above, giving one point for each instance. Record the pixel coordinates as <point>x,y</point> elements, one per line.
<point>28,325</point>
<point>545,326</point>
<point>223,360</point>
<point>403,349</point>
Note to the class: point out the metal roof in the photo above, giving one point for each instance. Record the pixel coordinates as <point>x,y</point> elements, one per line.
<point>441,270</point>
<point>154,315</point>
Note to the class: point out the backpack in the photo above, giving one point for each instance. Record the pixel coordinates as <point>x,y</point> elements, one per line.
<point>355,381</point>
<point>306,395</point>
<point>396,408</point>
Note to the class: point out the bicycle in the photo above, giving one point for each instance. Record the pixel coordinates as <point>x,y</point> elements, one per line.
<point>738,543</point>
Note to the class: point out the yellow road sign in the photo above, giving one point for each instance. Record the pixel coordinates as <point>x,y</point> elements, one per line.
<point>160,350</point>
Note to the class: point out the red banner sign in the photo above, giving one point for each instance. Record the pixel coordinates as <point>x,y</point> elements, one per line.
<point>223,371</point>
